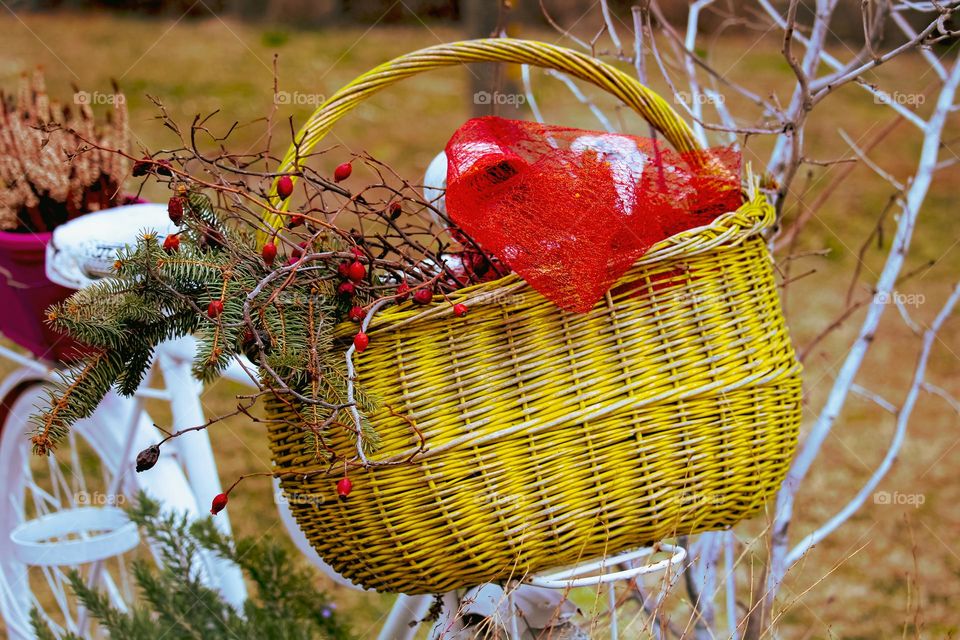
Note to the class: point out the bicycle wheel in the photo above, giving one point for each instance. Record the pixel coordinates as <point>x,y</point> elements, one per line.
<point>63,511</point>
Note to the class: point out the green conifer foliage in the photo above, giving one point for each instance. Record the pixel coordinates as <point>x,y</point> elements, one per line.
<point>282,317</point>
<point>175,604</point>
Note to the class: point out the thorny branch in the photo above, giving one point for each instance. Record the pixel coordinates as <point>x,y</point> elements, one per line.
<point>402,245</point>
<point>887,35</point>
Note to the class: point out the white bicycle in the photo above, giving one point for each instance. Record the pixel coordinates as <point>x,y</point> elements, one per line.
<point>64,511</point>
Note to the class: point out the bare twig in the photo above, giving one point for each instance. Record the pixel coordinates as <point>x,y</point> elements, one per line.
<point>903,419</point>
<point>851,366</point>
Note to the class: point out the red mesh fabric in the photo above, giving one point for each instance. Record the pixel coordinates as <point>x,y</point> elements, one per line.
<point>571,210</point>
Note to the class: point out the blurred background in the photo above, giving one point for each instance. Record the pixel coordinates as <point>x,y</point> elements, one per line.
<point>893,569</point>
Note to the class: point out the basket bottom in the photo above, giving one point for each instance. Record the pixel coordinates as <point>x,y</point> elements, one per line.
<point>508,509</point>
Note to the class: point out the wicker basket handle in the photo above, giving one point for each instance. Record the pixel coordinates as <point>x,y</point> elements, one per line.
<point>638,97</point>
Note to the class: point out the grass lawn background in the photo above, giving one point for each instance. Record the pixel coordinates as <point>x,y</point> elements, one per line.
<point>890,569</point>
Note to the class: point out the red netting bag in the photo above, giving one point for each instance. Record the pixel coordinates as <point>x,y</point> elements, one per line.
<point>571,210</point>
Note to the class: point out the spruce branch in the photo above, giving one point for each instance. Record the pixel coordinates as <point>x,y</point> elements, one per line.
<point>215,283</point>
<point>176,604</point>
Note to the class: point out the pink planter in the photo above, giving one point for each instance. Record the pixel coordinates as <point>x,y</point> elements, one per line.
<point>25,295</point>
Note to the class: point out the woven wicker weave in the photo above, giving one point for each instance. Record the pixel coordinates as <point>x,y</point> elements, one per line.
<point>672,407</point>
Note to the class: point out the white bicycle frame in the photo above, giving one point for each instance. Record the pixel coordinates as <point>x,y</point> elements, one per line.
<point>122,420</point>
<point>188,481</point>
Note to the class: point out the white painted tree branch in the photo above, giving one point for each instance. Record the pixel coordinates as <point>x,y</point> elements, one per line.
<point>875,398</point>
<point>579,95</point>
<point>611,28</point>
<point>788,145</point>
<point>719,104</point>
<point>639,58</point>
<point>824,85</point>
<point>907,320</point>
<point>910,32</point>
<point>851,365</point>
<point>834,63</point>
<point>639,55</point>
<point>690,42</point>
<point>942,393</point>
<point>679,96</point>
<point>870,164</point>
<point>729,568</point>
<point>903,419</point>
<point>701,579</point>
<point>528,93</point>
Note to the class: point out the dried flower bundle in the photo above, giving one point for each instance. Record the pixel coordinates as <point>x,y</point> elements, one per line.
<point>44,181</point>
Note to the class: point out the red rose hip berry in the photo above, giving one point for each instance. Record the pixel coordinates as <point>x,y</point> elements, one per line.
<point>460,309</point>
<point>360,342</point>
<point>284,187</point>
<point>395,210</point>
<point>356,271</point>
<point>218,504</point>
<point>356,314</point>
<point>175,209</point>
<point>268,253</point>
<point>423,296</point>
<point>344,487</point>
<point>171,244</point>
<point>342,172</point>
<point>215,308</point>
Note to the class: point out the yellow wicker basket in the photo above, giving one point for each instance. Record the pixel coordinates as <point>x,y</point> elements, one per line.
<point>552,437</point>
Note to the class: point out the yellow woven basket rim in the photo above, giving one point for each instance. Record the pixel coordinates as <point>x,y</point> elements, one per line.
<point>653,108</point>
<point>727,229</point>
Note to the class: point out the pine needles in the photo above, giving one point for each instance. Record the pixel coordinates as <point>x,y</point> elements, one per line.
<point>340,255</point>
<point>176,604</point>
<point>285,327</point>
